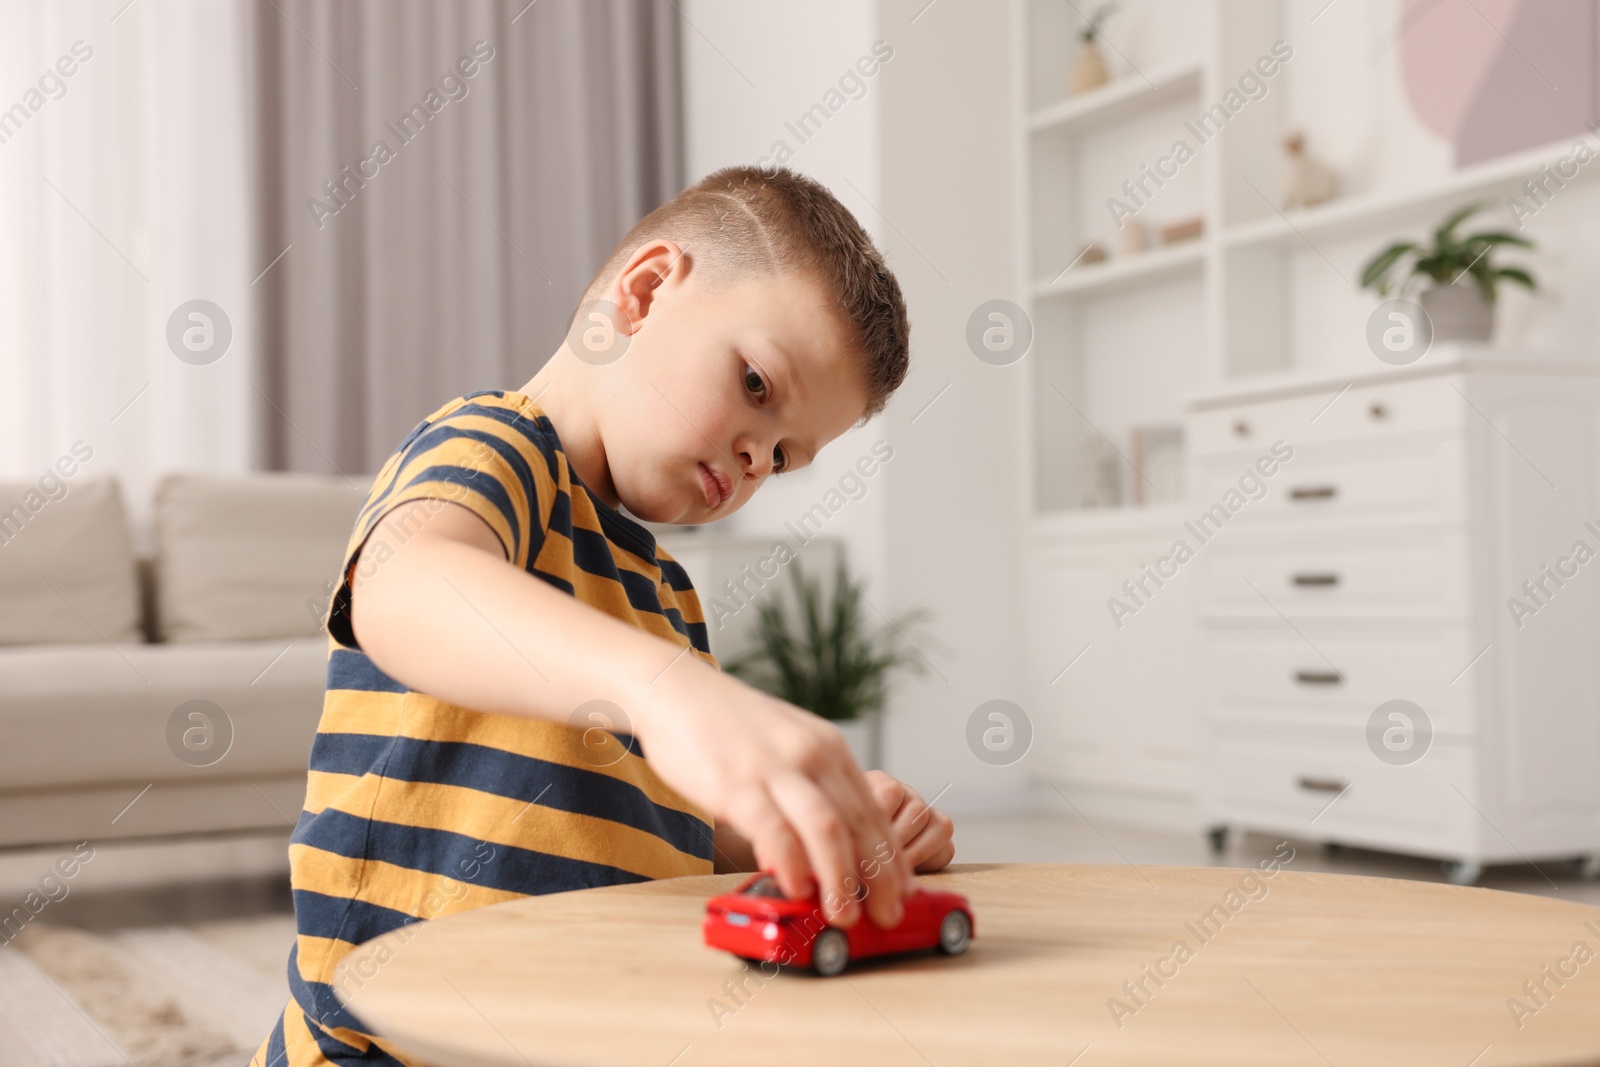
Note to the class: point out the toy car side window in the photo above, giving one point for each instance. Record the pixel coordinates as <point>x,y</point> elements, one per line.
<point>765,886</point>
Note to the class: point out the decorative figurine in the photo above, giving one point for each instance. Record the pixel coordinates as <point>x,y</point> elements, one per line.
<point>757,923</point>
<point>1307,181</point>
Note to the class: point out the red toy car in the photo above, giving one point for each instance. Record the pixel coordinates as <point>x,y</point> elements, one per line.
<point>757,923</point>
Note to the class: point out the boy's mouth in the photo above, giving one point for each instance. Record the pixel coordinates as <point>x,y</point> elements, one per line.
<point>715,485</point>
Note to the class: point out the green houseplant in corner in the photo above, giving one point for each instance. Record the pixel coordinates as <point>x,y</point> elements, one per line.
<point>826,657</point>
<point>1459,273</point>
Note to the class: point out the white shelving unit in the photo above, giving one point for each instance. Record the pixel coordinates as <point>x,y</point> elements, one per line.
<point>1130,340</point>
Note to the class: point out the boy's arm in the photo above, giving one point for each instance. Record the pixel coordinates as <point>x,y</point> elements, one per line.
<point>447,615</point>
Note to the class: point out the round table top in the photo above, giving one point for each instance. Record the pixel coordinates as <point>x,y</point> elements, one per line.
<point>1069,964</point>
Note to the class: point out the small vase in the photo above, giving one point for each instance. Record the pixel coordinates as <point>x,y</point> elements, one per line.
<point>1458,313</point>
<point>1089,72</point>
<point>862,736</point>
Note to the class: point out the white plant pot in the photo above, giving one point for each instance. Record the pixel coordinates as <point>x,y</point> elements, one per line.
<point>1458,313</point>
<point>862,736</point>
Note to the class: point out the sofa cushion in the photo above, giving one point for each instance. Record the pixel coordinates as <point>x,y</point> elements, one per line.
<point>75,715</point>
<point>67,570</point>
<point>242,557</point>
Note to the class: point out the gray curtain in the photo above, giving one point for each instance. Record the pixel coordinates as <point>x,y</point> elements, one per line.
<point>449,259</point>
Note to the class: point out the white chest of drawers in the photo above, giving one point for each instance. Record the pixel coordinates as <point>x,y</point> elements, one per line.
<point>1421,545</point>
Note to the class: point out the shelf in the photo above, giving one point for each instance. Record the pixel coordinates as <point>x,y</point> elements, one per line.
<point>1446,357</point>
<point>1115,524</point>
<point>1352,216</point>
<point>1160,264</point>
<point>1116,100</point>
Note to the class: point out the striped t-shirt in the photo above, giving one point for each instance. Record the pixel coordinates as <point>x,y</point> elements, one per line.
<point>416,808</point>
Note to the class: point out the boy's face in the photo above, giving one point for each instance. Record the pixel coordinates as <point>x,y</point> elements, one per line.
<point>721,387</point>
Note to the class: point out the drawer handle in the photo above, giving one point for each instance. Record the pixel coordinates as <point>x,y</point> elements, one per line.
<point>1241,428</point>
<point>1323,785</point>
<point>1315,579</point>
<point>1313,492</point>
<point>1319,677</point>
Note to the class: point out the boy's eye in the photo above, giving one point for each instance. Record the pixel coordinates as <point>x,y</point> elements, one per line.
<point>752,380</point>
<point>778,465</point>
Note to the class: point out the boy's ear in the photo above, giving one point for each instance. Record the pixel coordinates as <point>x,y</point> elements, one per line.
<point>654,266</point>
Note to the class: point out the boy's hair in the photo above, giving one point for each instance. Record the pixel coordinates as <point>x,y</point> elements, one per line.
<point>742,222</point>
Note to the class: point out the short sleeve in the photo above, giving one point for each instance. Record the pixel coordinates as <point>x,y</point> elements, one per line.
<point>483,453</point>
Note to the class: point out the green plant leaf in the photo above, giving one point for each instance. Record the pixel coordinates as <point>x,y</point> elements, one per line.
<point>1498,237</point>
<point>1379,265</point>
<point>822,655</point>
<point>1445,234</point>
<point>1518,275</point>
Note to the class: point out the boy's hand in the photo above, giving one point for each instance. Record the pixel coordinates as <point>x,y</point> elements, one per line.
<point>785,779</point>
<point>926,834</point>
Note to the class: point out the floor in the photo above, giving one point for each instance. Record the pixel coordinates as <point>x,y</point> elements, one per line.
<point>128,970</point>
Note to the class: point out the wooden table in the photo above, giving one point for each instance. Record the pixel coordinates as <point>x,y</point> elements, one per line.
<point>1297,968</point>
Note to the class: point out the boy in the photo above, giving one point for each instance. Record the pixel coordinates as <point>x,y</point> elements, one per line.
<point>495,599</point>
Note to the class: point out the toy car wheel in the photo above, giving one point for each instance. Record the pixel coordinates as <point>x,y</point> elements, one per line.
<point>955,932</point>
<point>831,952</point>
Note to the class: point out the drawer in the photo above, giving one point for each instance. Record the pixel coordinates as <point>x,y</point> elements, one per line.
<point>1423,482</point>
<point>1391,577</point>
<point>1287,783</point>
<point>1336,679</point>
<point>1371,411</point>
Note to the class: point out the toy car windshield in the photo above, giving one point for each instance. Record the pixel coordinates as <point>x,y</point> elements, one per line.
<point>765,886</point>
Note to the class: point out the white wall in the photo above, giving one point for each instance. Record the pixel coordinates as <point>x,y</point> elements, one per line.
<point>923,160</point>
<point>749,69</point>
<point>956,492</point>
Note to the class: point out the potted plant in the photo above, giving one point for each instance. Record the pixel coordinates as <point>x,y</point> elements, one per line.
<point>1458,273</point>
<point>1089,72</point>
<point>828,660</point>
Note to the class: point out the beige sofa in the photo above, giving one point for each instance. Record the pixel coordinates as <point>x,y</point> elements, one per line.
<point>177,694</point>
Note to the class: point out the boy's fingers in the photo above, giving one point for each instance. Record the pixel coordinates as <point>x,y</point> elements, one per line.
<point>913,818</point>
<point>826,836</point>
<point>939,860</point>
<point>776,847</point>
<point>887,790</point>
<point>885,881</point>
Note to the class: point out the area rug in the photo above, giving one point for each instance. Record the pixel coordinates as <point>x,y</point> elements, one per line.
<point>201,995</point>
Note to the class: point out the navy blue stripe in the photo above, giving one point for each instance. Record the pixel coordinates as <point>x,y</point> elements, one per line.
<point>502,415</point>
<point>555,580</point>
<point>502,447</point>
<point>485,485</point>
<point>343,918</point>
<point>675,617</point>
<point>506,774</point>
<point>277,1054</point>
<point>317,1002</point>
<point>397,456</point>
<point>560,515</point>
<point>698,636</point>
<point>592,553</point>
<point>344,1055</point>
<point>537,432</point>
<point>348,669</point>
<point>674,575</point>
<point>442,853</point>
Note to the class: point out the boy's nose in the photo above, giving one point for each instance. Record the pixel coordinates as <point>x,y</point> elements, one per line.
<point>757,461</point>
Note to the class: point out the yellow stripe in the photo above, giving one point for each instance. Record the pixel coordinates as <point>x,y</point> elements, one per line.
<point>499,820</point>
<point>325,789</point>
<point>361,711</point>
<point>427,718</point>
